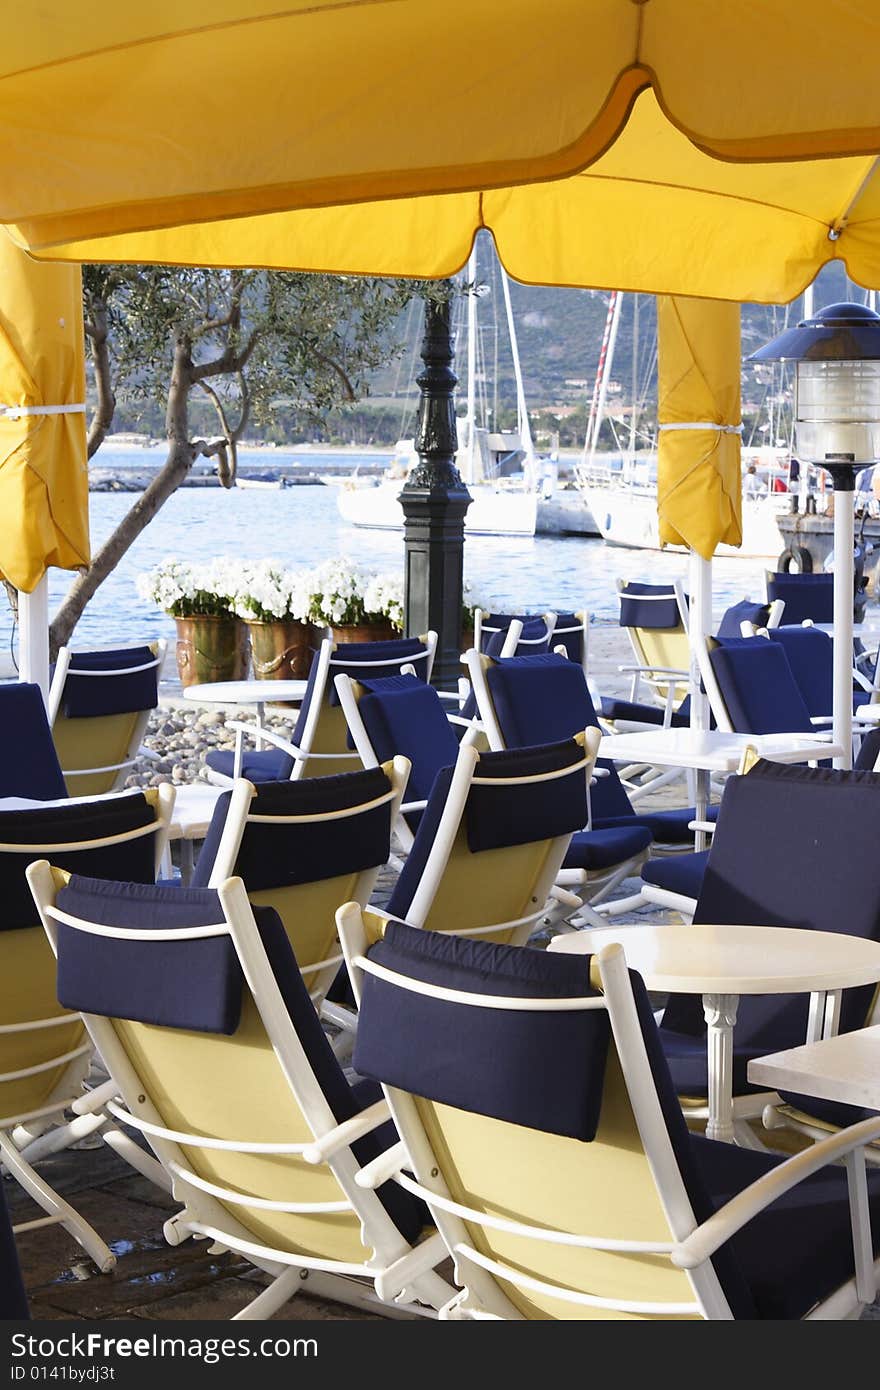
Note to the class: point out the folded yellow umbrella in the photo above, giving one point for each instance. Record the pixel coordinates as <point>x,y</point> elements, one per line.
<point>699,485</point>
<point>44,499</point>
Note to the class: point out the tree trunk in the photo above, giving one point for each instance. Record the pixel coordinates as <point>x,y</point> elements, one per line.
<point>178,463</point>
<point>106,404</point>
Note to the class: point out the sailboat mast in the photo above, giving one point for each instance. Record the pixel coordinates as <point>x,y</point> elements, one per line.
<point>603,372</point>
<point>522,414</point>
<point>470,471</point>
<point>634,379</point>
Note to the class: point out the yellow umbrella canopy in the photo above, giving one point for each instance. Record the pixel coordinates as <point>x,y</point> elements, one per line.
<point>699,487</point>
<point>653,214</point>
<point>44,499</point>
<point>123,118</point>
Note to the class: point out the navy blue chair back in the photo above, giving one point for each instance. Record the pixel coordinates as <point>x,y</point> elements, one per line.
<point>29,766</point>
<point>403,715</point>
<point>810,655</point>
<point>793,847</point>
<point>122,688</point>
<point>743,612</point>
<point>804,595</point>
<point>758,687</point>
<point>648,605</point>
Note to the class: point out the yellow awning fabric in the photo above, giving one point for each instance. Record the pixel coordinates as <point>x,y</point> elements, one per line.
<point>44,498</point>
<point>699,487</point>
<point>654,214</point>
<point>122,118</point>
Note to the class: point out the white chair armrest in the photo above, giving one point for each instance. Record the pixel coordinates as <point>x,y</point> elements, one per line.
<point>277,740</point>
<point>702,1243</point>
<point>656,671</point>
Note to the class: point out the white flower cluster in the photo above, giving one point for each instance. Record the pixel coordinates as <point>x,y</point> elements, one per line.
<point>270,592</point>
<point>336,593</point>
<point>384,595</point>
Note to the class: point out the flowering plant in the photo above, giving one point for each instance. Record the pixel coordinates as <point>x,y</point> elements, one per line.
<point>269,593</point>
<point>189,591</point>
<point>345,595</point>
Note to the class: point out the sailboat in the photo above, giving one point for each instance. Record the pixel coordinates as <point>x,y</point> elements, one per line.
<point>621,488</point>
<point>500,468</point>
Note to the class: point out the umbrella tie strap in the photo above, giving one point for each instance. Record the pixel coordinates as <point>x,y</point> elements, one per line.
<point>15,412</point>
<point>702,425</point>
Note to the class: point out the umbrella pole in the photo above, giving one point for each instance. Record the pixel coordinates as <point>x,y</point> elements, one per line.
<point>699,627</point>
<point>844,537</point>
<point>33,641</point>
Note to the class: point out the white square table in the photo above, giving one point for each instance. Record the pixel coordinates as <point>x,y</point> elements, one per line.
<point>711,750</point>
<point>845,1068</point>
<point>721,963</point>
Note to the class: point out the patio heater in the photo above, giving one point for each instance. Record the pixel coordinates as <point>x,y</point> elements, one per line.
<point>837,423</point>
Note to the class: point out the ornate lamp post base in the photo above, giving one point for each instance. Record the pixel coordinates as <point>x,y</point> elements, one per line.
<point>434,502</point>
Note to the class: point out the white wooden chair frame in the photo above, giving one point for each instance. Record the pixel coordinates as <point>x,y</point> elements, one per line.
<point>600,882</point>
<point>239,816</point>
<point>56,694</point>
<point>481,614</point>
<point>415,1166</point>
<point>302,752</point>
<point>401,1273</point>
<point>347,689</point>
<point>27,1137</point>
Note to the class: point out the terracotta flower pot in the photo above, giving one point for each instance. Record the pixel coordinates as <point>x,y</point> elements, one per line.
<point>211,649</point>
<point>281,650</point>
<point>367,632</point>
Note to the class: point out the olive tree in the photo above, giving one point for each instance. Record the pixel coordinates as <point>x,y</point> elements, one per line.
<point>237,340</point>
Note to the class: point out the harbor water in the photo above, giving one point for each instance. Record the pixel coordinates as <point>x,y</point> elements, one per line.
<point>302,526</point>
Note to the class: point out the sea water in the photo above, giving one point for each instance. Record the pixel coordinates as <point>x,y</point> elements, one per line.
<point>301,526</point>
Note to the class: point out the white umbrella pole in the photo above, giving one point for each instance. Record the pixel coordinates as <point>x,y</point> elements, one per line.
<point>844,536</point>
<point>33,638</point>
<point>700,626</point>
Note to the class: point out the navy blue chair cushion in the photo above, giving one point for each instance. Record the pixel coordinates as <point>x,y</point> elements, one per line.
<point>426,1046</point>
<point>88,696</point>
<point>275,856</point>
<point>783,839</point>
<point>196,985</point>
<point>58,825</point>
<point>13,1301</point>
<point>30,765</point>
<point>360,660</point>
<point>810,655</point>
<point>516,815</point>
<point>758,687</point>
<point>403,715</point>
<point>743,612</point>
<point>649,605</point>
<point>539,699</point>
<point>257,764</point>
<point>193,984</point>
<point>869,752</point>
<point>804,595</point>
<point>677,873</point>
<point>569,633</point>
<point>614,708</point>
<point>829,1112</point>
<point>666,827</point>
<point>603,849</point>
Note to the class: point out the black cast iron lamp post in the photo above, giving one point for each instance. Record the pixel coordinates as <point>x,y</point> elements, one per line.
<point>837,424</point>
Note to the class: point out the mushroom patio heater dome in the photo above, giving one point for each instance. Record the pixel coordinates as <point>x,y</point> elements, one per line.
<point>837,424</point>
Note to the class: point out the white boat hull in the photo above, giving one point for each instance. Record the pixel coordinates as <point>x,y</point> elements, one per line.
<point>493,511</point>
<point>629,519</point>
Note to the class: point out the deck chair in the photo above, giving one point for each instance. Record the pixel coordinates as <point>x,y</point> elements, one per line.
<point>655,617</point>
<point>576,1191</point>
<point>304,848</point>
<point>806,596</point>
<point>29,766</point>
<point>752,688</point>
<point>99,708</point>
<point>400,715</point>
<point>530,699</point>
<point>44,1051</point>
<point>492,839</point>
<point>754,615</point>
<point>319,742</point>
<point>794,846</point>
<point>195,1002</point>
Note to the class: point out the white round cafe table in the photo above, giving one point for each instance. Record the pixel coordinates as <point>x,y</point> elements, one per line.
<point>246,692</point>
<point>723,962</point>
